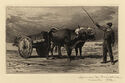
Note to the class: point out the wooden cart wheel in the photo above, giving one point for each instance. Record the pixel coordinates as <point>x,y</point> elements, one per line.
<point>25,47</point>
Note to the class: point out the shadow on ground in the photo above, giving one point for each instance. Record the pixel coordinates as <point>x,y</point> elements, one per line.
<point>65,56</point>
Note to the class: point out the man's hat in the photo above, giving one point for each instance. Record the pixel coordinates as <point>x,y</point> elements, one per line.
<point>109,24</point>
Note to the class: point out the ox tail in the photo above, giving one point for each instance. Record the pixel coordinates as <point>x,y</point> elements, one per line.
<point>56,48</point>
<point>76,44</point>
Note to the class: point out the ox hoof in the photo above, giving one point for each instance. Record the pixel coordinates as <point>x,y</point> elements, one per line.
<point>47,58</point>
<point>60,56</point>
<point>81,57</point>
<point>53,58</point>
<point>76,58</point>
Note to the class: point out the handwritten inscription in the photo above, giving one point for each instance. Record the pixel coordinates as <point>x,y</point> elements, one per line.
<point>100,77</point>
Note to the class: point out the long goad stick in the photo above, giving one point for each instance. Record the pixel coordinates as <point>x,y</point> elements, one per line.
<point>89,16</point>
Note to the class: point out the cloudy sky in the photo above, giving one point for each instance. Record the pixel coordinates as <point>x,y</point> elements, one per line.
<point>32,20</point>
<point>61,16</point>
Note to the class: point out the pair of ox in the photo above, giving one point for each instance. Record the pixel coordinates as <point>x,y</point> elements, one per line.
<point>70,39</point>
<point>45,41</point>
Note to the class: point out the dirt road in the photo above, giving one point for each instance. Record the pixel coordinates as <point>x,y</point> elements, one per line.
<point>90,63</point>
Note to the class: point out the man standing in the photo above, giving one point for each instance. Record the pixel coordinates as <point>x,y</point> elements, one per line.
<point>108,41</point>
